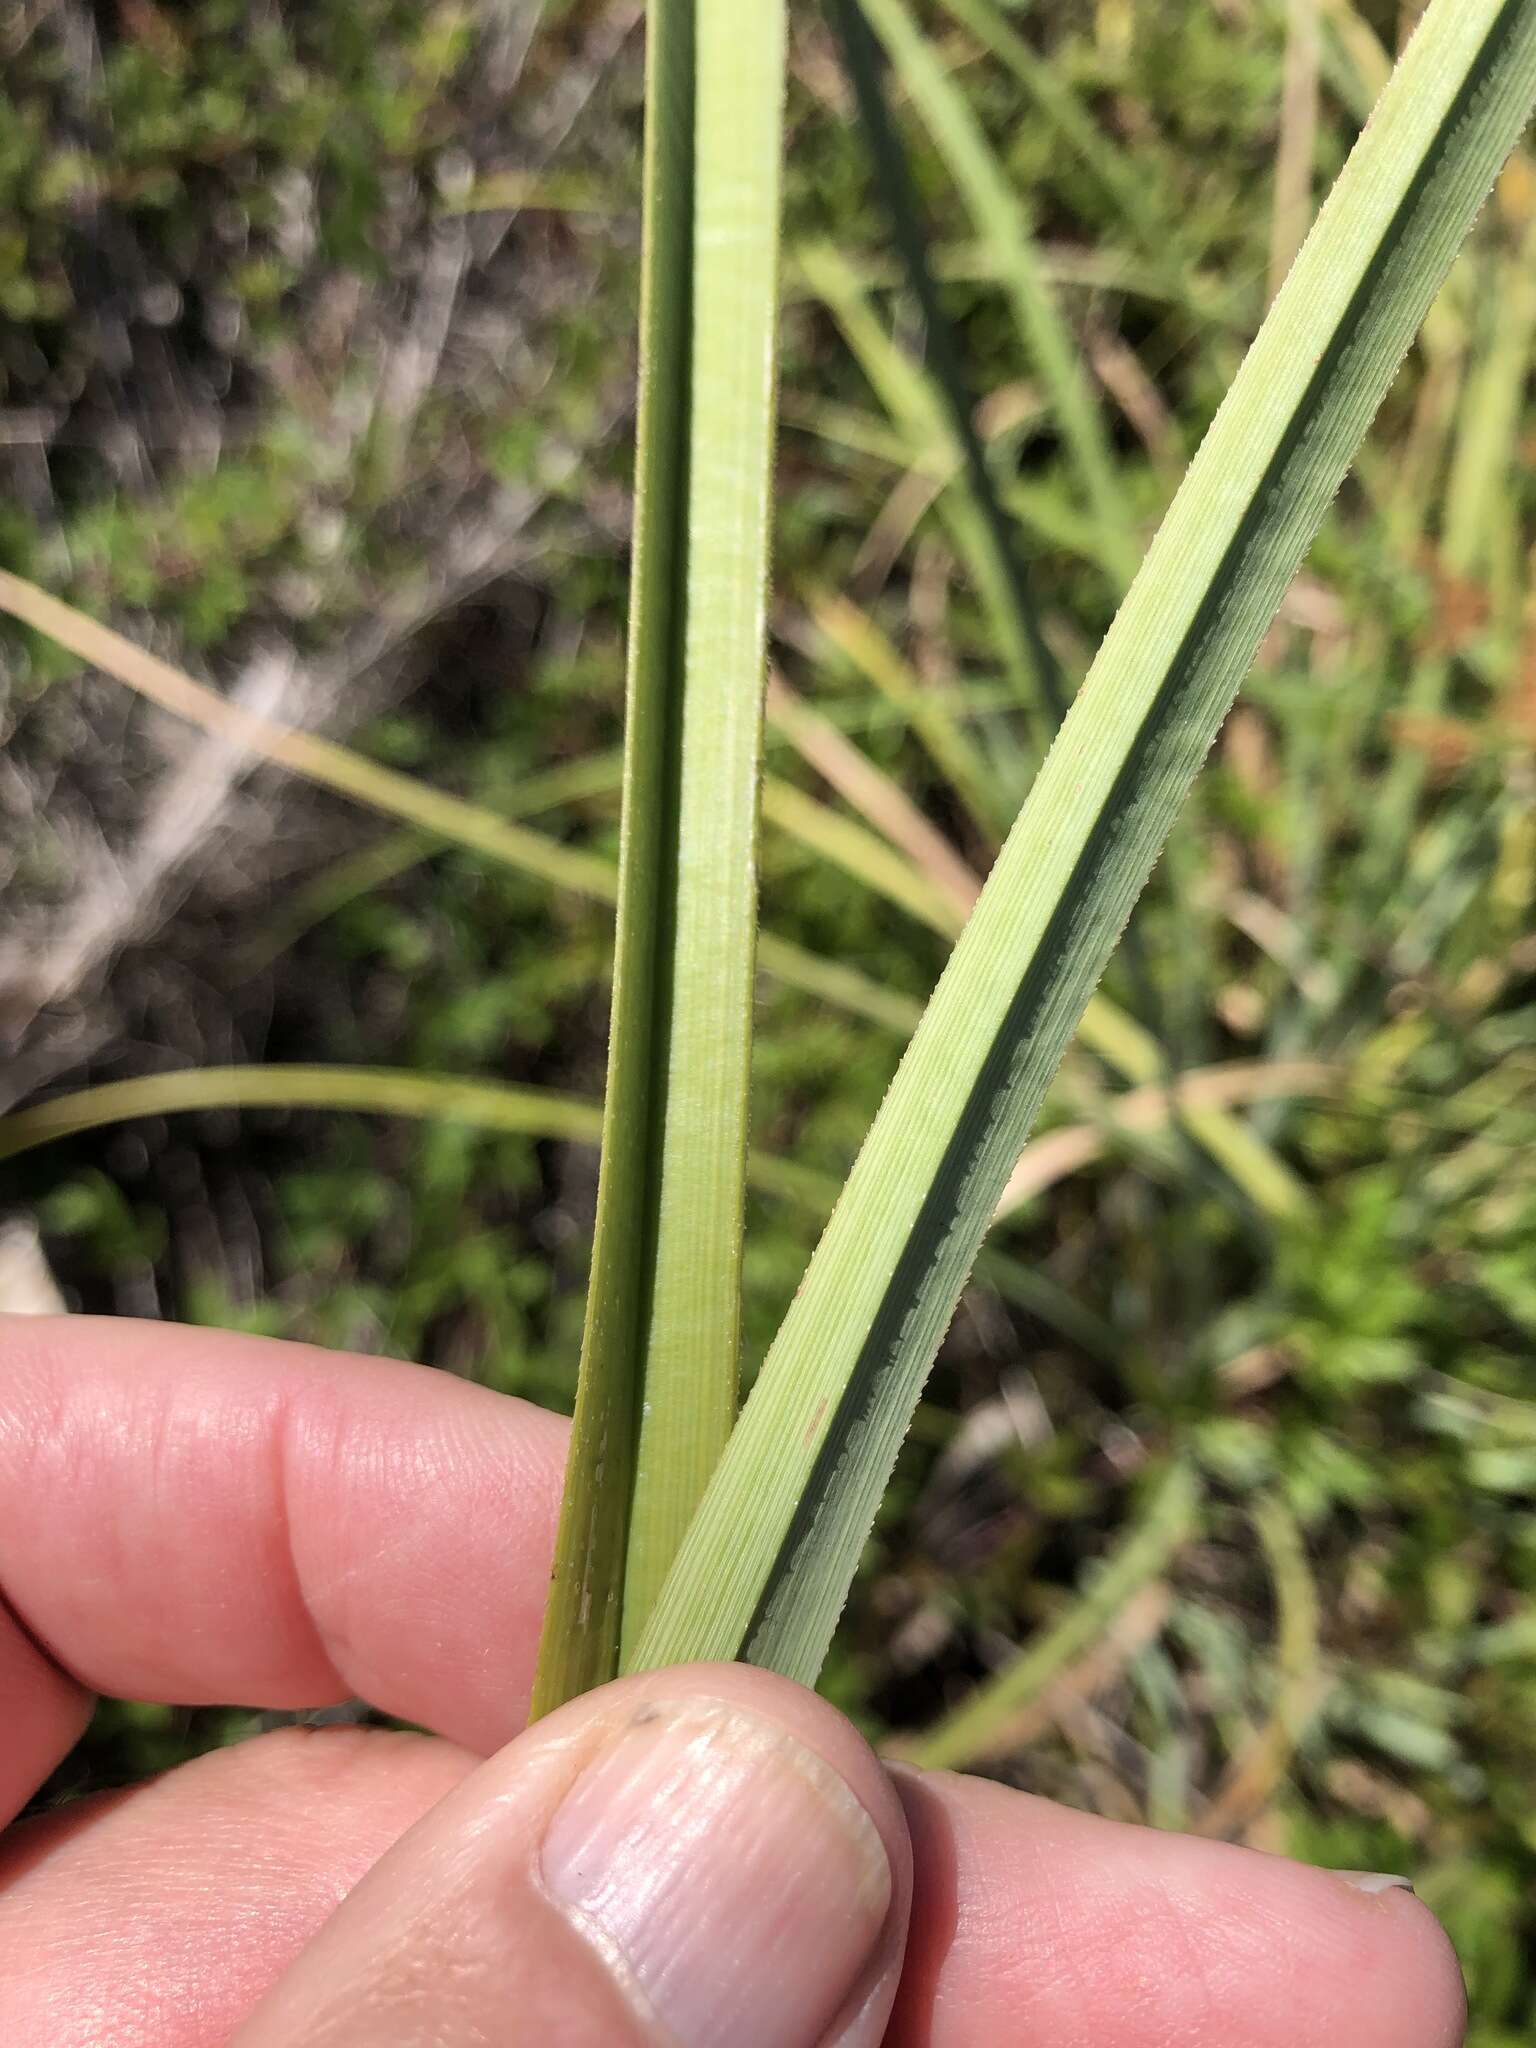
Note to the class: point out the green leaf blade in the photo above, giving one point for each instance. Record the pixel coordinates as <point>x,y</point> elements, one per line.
<point>380,1091</point>
<point>657,1388</point>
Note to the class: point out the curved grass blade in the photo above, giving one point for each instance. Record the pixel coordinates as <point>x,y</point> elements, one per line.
<point>765,1567</point>
<point>483,1105</point>
<point>979,1728</point>
<point>657,1390</point>
<point>373,1091</point>
<point>381,1091</point>
<point>1301,1684</point>
<point>450,820</point>
<point>376,1091</point>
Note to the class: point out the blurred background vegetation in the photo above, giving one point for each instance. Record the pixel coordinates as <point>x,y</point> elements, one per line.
<point>316,376</point>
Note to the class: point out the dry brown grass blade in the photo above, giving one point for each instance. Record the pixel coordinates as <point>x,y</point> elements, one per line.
<point>1301,1682</point>
<point>1292,215</point>
<point>302,753</point>
<point>879,800</point>
<point>1052,1157</point>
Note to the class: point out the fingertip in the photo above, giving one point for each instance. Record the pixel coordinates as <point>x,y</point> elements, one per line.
<point>1030,1919</point>
<point>1410,1942</point>
<point>1370,1941</point>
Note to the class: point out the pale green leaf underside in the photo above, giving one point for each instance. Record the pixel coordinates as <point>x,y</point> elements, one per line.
<point>766,1564</point>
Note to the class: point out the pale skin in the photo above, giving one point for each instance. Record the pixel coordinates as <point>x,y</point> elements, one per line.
<point>192,1517</point>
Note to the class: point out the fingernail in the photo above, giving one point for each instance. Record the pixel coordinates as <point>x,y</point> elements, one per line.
<point>1374,1881</point>
<point>727,1875</point>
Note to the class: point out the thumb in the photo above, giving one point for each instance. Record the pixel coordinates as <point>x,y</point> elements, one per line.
<point>703,1858</point>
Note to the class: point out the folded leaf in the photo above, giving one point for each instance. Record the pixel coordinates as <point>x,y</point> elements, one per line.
<point>656,1394</point>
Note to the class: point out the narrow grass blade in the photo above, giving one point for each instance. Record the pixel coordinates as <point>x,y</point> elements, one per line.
<point>1479,489</point>
<point>1002,223</point>
<point>1365,66</point>
<point>980,1727</point>
<point>322,761</point>
<point>397,853</point>
<point>482,1105</point>
<point>765,1567</point>
<point>450,820</point>
<point>1242,1154</point>
<point>871,793</point>
<point>909,398</point>
<point>1051,92</point>
<point>1292,210</point>
<point>835,982</point>
<point>1301,1684</point>
<point>373,1091</point>
<point>937,888</point>
<point>442,819</point>
<point>1485,451</point>
<point>1002,571</point>
<point>582,1624</point>
<point>869,858</point>
<point>1250,1163</point>
<point>1147,1110</point>
<point>856,636</point>
<point>657,1389</point>
<point>381,1091</point>
<point>966,262</point>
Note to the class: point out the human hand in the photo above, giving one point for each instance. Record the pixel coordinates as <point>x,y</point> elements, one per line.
<point>700,1857</point>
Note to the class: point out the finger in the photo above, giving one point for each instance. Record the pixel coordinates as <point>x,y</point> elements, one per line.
<point>191,1516</point>
<point>708,1857</point>
<point>1032,1923</point>
<point>43,1713</point>
<point>157,1918</point>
